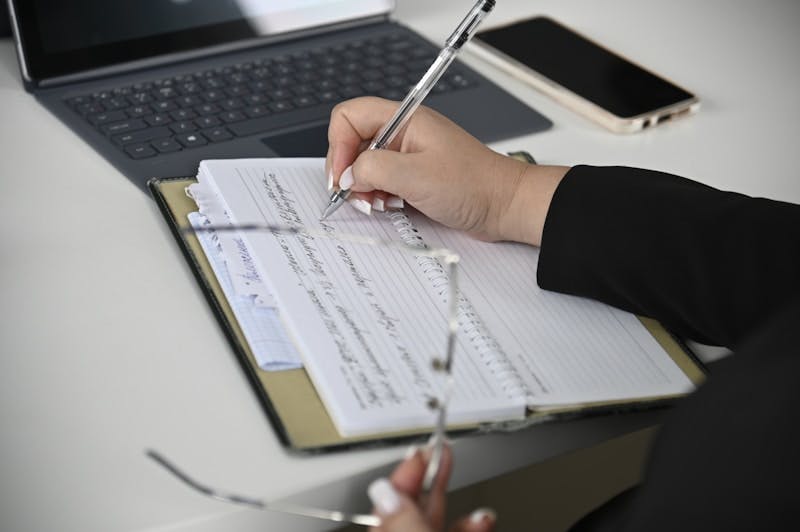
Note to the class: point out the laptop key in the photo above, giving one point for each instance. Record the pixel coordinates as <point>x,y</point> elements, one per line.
<point>189,100</point>
<point>329,96</point>
<point>254,111</point>
<point>261,86</point>
<point>137,98</point>
<point>253,99</point>
<point>140,151</point>
<point>90,108</point>
<point>191,140</point>
<point>207,109</point>
<point>216,134</point>
<point>183,127</point>
<point>237,90</point>
<point>123,126</point>
<point>138,110</point>
<point>189,87</point>
<point>231,104</point>
<point>373,87</point>
<point>212,83</point>
<point>212,95</point>
<point>281,106</point>
<point>351,91</point>
<point>163,106</point>
<point>165,93</point>
<point>78,100</point>
<point>280,94</point>
<point>104,118</point>
<point>143,135</point>
<point>115,103</point>
<point>158,119</point>
<point>304,100</point>
<point>327,84</point>
<point>392,94</point>
<point>182,114</point>
<point>232,116</point>
<point>207,121</point>
<point>167,145</point>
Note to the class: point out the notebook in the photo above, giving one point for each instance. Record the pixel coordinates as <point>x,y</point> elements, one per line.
<point>155,86</point>
<point>367,321</point>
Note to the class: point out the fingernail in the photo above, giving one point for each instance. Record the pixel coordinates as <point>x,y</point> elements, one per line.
<point>346,180</point>
<point>411,452</point>
<point>377,204</point>
<point>330,180</point>
<point>393,202</point>
<point>361,205</point>
<point>434,436</point>
<point>482,514</point>
<point>383,496</point>
<point>432,440</point>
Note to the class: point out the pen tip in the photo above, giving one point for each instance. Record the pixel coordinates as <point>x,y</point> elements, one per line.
<point>326,213</point>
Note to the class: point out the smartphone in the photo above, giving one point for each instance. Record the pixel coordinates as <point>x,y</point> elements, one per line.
<point>583,75</point>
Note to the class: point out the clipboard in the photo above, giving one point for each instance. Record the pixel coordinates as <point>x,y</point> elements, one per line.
<point>289,398</point>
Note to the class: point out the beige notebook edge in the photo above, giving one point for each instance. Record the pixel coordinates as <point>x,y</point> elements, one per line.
<point>289,398</point>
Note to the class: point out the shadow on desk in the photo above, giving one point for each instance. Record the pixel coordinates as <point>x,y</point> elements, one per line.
<point>553,495</point>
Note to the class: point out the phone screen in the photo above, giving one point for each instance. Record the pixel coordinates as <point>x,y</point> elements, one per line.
<point>583,67</point>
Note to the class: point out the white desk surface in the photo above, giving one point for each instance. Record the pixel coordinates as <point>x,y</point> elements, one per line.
<point>108,347</point>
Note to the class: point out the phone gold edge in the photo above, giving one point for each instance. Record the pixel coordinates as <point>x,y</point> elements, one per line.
<point>579,104</point>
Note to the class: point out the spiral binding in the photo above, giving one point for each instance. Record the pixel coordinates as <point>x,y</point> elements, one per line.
<point>491,353</point>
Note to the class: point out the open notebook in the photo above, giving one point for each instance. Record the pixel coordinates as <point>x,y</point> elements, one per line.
<point>366,321</point>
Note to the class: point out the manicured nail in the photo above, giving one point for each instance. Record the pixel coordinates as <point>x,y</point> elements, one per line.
<point>383,496</point>
<point>361,205</point>
<point>411,452</point>
<point>393,202</point>
<point>481,515</point>
<point>432,440</point>
<point>346,180</point>
<point>330,180</point>
<point>377,204</point>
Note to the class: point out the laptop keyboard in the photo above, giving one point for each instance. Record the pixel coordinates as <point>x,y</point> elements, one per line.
<point>163,116</point>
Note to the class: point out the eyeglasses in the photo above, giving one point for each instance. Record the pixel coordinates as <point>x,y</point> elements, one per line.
<point>438,405</point>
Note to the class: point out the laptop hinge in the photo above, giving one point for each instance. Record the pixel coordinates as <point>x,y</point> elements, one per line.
<point>168,59</point>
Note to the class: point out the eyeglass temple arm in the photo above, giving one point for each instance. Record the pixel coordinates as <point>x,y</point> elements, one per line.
<point>289,508</point>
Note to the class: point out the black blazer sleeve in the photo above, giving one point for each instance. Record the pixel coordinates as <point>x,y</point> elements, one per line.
<point>710,265</point>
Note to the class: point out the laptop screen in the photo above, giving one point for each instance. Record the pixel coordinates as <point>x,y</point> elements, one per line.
<point>63,37</point>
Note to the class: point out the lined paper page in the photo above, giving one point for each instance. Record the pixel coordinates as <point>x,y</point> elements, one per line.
<point>365,318</point>
<point>563,349</point>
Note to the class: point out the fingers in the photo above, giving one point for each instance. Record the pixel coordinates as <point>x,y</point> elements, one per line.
<point>408,476</point>
<point>352,127</point>
<point>362,201</point>
<point>396,500</point>
<point>397,511</point>
<point>379,200</point>
<point>390,171</point>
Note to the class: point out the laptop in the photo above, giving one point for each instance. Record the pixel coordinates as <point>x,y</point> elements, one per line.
<point>155,86</point>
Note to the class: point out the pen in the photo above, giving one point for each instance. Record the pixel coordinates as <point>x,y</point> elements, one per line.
<point>414,98</point>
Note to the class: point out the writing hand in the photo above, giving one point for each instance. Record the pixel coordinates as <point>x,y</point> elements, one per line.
<point>441,170</point>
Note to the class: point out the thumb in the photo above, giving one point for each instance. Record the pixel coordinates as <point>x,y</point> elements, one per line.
<point>386,170</point>
<point>398,513</point>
